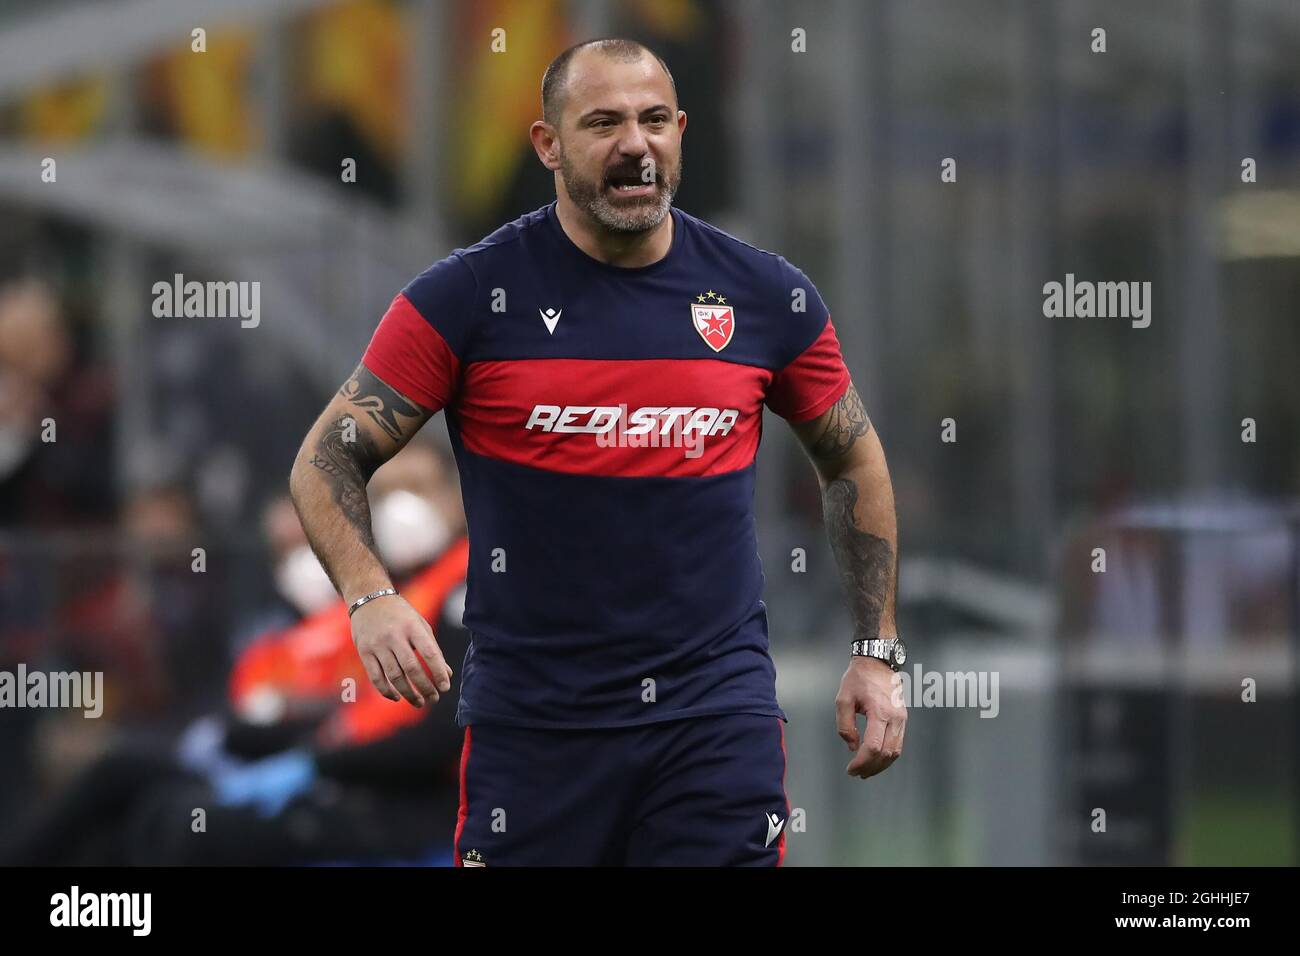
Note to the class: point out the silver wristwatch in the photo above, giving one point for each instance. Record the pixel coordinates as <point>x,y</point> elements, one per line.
<point>891,650</point>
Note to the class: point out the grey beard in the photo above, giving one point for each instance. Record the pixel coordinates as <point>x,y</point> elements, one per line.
<point>641,217</point>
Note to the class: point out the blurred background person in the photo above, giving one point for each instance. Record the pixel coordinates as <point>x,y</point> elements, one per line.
<point>56,480</point>
<point>306,762</point>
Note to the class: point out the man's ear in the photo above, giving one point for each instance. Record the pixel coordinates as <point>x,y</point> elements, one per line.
<point>681,122</point>
<point>545,143</point>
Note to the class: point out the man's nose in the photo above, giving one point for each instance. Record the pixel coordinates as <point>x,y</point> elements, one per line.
<point>632,142</point>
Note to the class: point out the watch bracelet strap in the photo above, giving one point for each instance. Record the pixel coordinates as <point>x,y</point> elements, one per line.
<point>382,592</point>
<point>866,648</point>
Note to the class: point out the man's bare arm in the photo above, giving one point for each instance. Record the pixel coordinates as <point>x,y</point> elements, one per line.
<point>363,426</point>
<point>858,504</point>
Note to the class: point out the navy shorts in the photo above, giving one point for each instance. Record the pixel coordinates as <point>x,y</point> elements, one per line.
<point>699,791</point>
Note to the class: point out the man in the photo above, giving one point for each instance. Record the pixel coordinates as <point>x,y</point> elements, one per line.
<point>604,362</point>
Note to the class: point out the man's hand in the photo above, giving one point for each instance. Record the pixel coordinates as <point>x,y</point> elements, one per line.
<point>399,652</point>
<point>858,502</point>
<point>868,688</point>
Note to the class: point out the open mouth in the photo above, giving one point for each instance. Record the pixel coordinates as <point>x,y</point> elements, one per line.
<point>630,184</point>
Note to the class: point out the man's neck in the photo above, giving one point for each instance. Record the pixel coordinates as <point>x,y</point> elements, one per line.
<point>627,250</point>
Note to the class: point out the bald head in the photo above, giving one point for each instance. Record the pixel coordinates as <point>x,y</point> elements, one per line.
<point>556,78</point>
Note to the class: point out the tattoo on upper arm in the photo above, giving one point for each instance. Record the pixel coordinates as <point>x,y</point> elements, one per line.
<point>381,403</point>
<point>348,457</point>
<point>866,561</point>
<point>846,422</point>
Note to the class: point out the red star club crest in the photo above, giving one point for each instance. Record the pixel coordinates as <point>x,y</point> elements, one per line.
<point>714,319</point>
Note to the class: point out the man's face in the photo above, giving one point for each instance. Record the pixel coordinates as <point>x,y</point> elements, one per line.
<point>620,141</point>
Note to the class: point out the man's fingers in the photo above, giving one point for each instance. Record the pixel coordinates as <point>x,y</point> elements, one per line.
<point>877,724</point>
<point>880,760</point>
<point>867,760</point>
<point>893,745</point>
<point>377,676</point>
<point>846,721</point>
<point>427,647</point>
<point>407,660</point>
<point>864,762</point>
<point>414,670</point>
<point>876,757</point>
<point>396,676</point>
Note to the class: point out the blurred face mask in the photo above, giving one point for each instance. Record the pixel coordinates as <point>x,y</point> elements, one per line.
<point>409,530</point>
<point>303,582</point>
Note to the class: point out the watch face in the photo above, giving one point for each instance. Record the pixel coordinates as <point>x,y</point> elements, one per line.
<point>900,653</point>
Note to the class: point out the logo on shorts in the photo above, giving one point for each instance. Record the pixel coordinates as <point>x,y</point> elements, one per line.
<point>713,319</point>
<point>473,858</point>
<point>774,826</point>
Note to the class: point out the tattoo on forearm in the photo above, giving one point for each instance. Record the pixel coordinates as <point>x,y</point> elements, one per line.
<point>348,466</point>
<point>866,561</point>
<point>846,422</point>
<point>378,401</point>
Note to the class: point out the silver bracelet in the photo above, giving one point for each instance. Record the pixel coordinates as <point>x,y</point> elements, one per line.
<point>368,598</point>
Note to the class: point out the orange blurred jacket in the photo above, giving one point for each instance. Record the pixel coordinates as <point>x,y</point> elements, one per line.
<point>306,664</point>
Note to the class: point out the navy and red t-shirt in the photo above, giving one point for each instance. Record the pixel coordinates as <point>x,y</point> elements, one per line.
<point>605,422</point>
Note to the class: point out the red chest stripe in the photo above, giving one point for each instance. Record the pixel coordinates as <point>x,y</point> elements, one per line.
<point>627,418</point>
